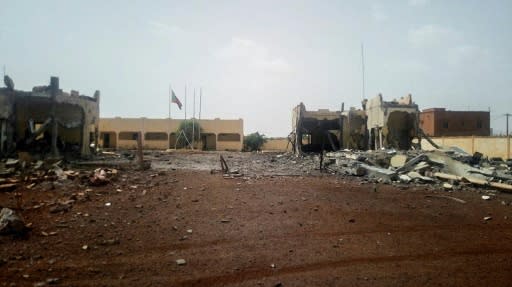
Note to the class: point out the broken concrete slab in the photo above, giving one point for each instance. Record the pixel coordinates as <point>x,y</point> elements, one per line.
<point>378,172</point>
<point>412,163</point>
<point>416,175</point>
<point>398,160</point>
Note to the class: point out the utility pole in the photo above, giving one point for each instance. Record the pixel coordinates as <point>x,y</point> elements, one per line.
<point>362,66</point>
<point>508,137</point>
<point>507,115</point>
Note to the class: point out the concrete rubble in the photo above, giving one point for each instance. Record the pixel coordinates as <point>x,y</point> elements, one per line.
<point>448,168</point>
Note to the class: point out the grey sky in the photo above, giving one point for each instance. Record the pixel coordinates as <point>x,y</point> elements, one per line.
<point>257,59</point>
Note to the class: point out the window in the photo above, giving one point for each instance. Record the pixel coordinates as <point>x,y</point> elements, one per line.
<point>228,137</point>
<point>128,136</point>
<point>445,124</point>
<point>155,136</point>
<point>479,124</point>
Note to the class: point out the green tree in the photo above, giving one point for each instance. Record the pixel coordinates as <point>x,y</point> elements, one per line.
<point>254,141</point>
<point>187,126</point>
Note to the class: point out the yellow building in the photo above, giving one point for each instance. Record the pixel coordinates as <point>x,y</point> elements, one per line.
<point>121,133</point>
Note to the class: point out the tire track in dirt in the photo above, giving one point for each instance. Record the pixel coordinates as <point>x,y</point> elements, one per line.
<point>226,279</point>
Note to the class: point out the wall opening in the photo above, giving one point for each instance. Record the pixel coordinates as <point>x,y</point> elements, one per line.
<point>228,137</point>
<point>172,140</point>
<point>155,136</point>
<point>108,139</point>
<point>128,136</point>
<point>209,141</point>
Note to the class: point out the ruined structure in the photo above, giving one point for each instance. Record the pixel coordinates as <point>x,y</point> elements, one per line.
<point>47,120</point>
<point>392,124</point>
<point>355,135</point>
<point>314,131</point>
<point>378,125</point>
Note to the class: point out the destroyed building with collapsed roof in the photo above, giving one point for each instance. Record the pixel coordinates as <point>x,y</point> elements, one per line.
<point>379,124</point>
<point>392,124</point>
<point>47,120</point>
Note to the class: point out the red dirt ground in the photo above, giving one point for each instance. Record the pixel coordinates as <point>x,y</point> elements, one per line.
<point>270,231</point>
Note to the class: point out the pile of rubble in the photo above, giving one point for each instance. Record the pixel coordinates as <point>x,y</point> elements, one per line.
<point>16,173</point>
<point>451,168</point>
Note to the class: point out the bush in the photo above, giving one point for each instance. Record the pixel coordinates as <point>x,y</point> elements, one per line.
<point>254,141</point>
<point>186,126</point>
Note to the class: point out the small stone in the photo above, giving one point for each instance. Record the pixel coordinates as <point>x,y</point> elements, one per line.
<point>52,281</point>
<point>487,218</point>
<point>272,265</point>
<point>225,220</point>
<point>108,204</point>
<point>486,197</point>
<point>189,230</point>
<point>447,186</point>
<point>85,247</point>
<point>181,262</point>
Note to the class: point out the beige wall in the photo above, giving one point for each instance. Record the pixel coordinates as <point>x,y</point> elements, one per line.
<point>488,146</point>
<point>277,144</point>
<point>144,125</point>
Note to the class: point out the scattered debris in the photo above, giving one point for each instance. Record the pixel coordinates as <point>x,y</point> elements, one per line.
<point>181,262</point>
<point>11,223</point>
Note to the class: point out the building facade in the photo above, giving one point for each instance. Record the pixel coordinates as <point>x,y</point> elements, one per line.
<point>216,134</point>
<point>438,122</point>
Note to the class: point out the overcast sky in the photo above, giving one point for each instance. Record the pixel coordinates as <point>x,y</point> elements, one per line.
<point>256,60</point>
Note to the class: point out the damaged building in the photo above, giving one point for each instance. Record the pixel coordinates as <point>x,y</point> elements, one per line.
<point>393,124</point>
<point>47,120</point>
<point>314,131</point>
<point>380,124</point>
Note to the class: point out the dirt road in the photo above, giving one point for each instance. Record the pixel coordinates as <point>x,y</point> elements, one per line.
<point>259,231</point>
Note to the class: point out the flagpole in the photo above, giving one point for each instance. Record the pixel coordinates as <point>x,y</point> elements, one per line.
<point>200,99</point>
<point>185,101</point>
<point>169,124</point>
<point>193,118</point>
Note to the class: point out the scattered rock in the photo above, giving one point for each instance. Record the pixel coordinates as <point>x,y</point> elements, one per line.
<point>181,262</point>
<point>11,223</point>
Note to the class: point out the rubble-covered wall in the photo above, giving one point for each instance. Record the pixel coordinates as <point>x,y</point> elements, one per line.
<point>217,134</point>
<point>488,146</point>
